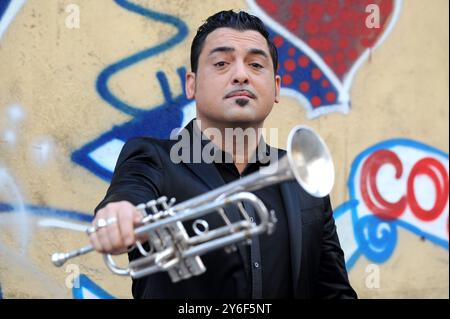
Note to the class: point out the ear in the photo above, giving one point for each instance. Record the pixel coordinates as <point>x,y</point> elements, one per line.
<point>190,85</point>
<point>277,88</point>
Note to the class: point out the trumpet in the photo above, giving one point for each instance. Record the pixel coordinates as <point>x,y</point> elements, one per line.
<point>307,160</point>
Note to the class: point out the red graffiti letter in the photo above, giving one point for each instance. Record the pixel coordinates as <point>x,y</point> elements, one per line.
<point>369,189</point>
<point>438,174</point>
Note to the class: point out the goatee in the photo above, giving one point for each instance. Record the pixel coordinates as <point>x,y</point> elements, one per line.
<point>242,102</point>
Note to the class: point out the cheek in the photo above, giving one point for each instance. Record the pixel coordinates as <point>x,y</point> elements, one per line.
<point>209,90</point>
<point>207,98</point>
<point>268,95</point>
<point>206,95</point>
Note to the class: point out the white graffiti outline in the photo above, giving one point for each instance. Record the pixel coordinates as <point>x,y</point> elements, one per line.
<point>57,223</point>
<point>11,11</point>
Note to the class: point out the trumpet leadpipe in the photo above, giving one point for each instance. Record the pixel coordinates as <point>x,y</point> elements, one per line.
<point>59,259</point>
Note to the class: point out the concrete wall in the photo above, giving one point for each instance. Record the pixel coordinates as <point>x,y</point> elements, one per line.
<point>79,77</point>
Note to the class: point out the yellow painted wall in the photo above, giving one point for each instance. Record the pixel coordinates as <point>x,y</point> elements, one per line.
<point>50,108</point>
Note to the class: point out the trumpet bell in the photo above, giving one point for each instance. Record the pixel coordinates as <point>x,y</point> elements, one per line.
<point>310,161</point>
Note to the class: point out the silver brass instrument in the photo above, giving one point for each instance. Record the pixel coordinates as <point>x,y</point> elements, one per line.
<point>308,160</point>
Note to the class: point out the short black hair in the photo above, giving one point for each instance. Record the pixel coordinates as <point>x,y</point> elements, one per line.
<point>240,21</point>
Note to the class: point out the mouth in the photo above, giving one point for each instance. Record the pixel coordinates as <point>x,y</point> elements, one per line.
<point>240,94</point>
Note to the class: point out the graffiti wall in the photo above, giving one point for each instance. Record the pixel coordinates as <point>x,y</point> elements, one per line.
<point>79,77</point>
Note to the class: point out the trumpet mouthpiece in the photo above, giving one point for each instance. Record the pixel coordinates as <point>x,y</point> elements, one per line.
<point>58,259</point>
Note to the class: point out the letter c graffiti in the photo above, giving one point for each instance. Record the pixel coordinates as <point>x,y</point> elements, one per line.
<point>385,209</point>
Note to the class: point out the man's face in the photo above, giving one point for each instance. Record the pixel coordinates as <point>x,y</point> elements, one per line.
<point>235,81</point>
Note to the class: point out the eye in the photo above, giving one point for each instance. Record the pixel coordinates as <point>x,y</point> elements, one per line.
<point>220,64</point>
<point>256,65</point>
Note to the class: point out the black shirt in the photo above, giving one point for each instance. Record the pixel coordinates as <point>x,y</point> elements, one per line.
<point>269,262</point>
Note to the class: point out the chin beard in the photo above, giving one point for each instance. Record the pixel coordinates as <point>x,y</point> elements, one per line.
<point>242,102</point>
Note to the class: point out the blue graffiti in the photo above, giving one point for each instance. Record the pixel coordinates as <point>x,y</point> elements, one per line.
<point>155,121</point>
<point>87,289</point>
<point>379,238</point>
<point>3,5</point>
<point>108,72</point>
<point>48,212</point>
<point>376,238</point>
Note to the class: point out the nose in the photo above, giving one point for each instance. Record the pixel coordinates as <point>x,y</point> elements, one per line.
<point>240,75</point>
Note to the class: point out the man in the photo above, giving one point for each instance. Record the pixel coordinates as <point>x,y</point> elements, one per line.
<point>235,85</point>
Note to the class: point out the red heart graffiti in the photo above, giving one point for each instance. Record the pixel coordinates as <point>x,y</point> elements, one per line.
<point>336,30</point>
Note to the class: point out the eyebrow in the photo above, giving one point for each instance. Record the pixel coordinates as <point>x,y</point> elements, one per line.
<point>221,49</point>
<point>230,49</point>
<point>258,52</point>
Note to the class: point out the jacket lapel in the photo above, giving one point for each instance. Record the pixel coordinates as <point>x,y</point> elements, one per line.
<point>207,173</point>
<point>291,199</point>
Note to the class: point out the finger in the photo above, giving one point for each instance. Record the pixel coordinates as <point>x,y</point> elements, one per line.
<point>113,232</point>
<point>137,216</point>
<point>103,238</point>
<point>126,226</point>
<point>137,219</point>
<point>95,242</point>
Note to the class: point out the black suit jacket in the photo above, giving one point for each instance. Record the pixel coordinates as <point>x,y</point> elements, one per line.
<point>144,171</point>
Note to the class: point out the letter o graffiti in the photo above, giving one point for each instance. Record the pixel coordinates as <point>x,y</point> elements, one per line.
<point>427,166</point>
<point>437,173</point>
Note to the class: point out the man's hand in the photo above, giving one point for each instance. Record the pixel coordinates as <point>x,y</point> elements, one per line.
<point>118,233</point>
